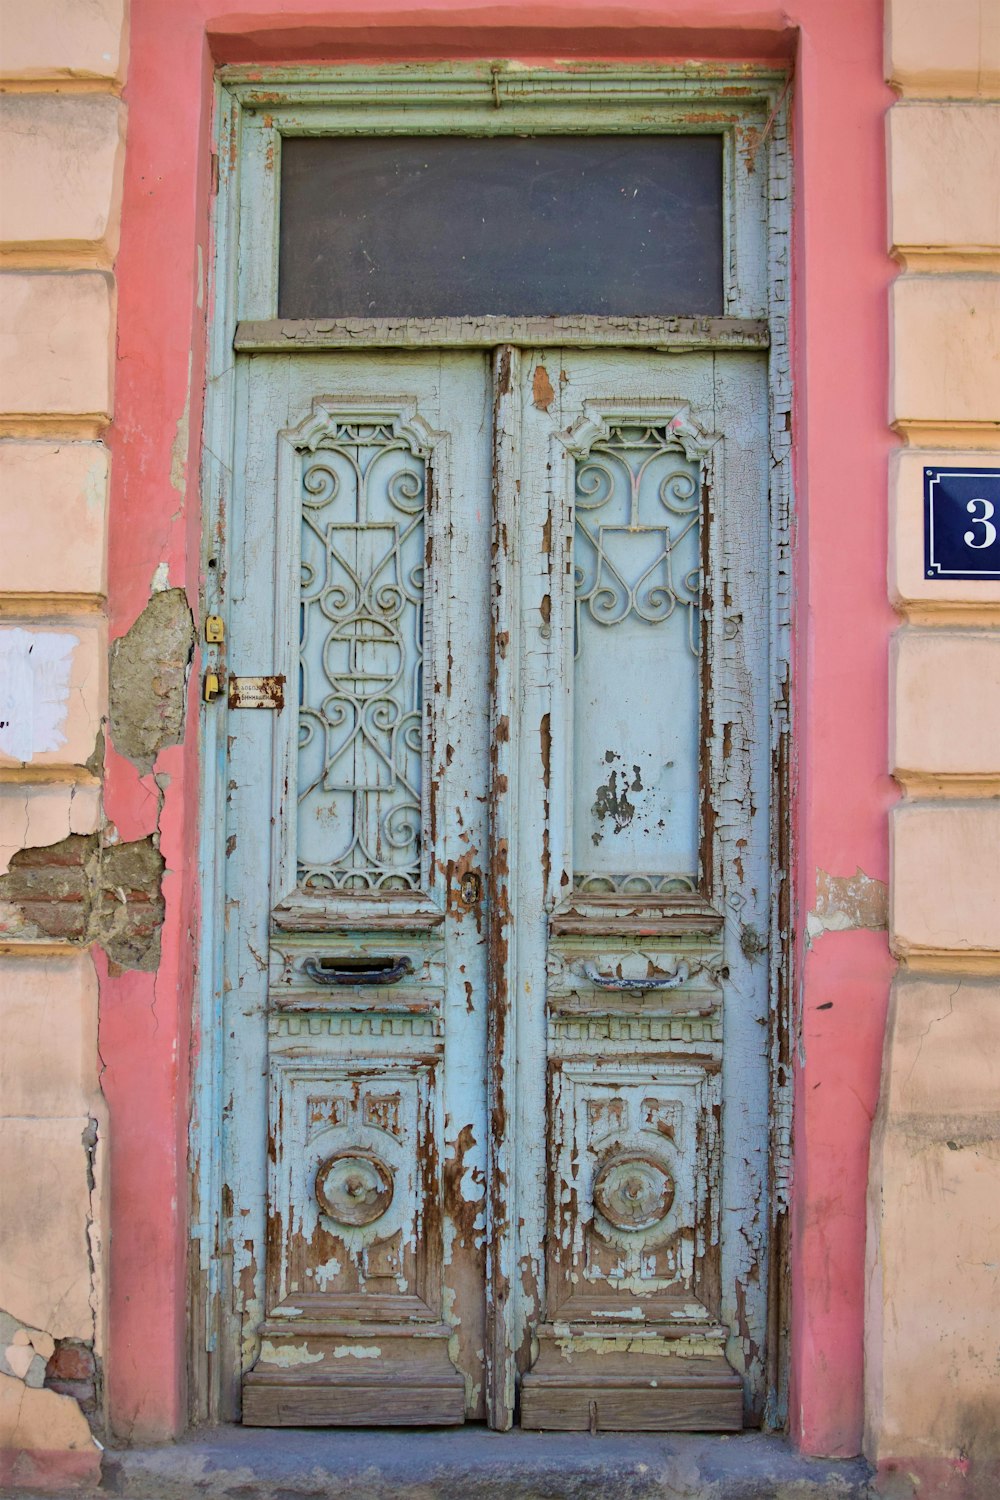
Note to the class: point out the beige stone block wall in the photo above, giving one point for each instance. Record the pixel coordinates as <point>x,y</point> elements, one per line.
<point>944,896</point>
<point>946,691</point>
<point>938,49</point>
<point>62,128</point>
<point>932,1385</point>
<point>56,41</point>
<point>935,1213</point>
<point>33,1420</point>
<point>941,164</point>
<point>75,144</point>
<point>48,1019</point>
<point>47,485</point>
<point>56,348</point>
<point>45,1276</point>
<point>946,356</point>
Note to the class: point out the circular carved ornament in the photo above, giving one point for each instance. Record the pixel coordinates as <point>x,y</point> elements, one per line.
<point>353,1187</point>
<point>633,1192</point>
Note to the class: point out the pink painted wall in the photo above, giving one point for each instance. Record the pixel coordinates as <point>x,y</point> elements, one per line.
<point>841,274</point>
<point>840,278</point>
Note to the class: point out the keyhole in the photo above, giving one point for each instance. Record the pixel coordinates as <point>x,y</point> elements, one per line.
<point>470,889</point>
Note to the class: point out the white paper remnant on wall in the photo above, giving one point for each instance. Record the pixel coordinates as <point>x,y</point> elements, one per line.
<point>35,671</point>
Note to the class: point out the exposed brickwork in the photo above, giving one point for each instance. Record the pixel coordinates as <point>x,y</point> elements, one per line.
<point>83,890</point>
<point>50,887</point>
<point>73,1371</point>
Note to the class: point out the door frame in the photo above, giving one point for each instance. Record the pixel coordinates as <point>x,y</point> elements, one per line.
<point>254,108</point>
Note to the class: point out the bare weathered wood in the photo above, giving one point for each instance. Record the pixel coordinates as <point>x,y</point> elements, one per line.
<point>363,919</point>
<point>501,85</point>
<point>505,730</point>
<point>691,1405</point>
<point>621,1378</point>
<point>355,1005</point>
<point>675,334</point>
<point>321,1372</point>
<point>386,1403</point>
<point>653,926</point>
<point>589,915</point>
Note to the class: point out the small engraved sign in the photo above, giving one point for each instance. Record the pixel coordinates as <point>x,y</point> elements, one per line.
<point>257,692</point>
<point>961,523</point>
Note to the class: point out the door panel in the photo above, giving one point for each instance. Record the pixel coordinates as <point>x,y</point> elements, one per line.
<point>498,902</point>
<point>643,848</point>
<point>363,574</point>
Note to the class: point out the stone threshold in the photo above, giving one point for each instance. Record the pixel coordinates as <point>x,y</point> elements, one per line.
<point>471,1463</point>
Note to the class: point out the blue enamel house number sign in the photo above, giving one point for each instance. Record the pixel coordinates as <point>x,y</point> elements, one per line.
<point>961,523</point>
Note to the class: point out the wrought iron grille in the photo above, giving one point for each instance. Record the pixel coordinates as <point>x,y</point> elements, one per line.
<point>637,569</point>
<point>361,661</point>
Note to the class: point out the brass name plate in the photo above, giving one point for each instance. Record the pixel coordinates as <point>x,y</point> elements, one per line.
<point>257,692</point>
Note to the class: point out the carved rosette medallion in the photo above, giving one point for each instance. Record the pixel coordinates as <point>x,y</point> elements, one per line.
<point>633,1192</point>
<point>353,1187</point>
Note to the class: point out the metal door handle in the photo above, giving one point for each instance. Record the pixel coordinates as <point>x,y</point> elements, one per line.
<point>612,981</point>
<point>357,971</point>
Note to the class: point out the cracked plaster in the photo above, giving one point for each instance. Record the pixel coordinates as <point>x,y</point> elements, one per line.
<point>34,816</point>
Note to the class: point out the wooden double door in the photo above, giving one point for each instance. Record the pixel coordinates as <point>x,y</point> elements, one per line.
<point>495,1117</point>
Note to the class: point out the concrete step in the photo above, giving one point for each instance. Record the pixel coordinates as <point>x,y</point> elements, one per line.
<point>470,1463</point>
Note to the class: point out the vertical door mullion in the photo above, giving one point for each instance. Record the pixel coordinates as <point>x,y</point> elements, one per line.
<point>500,1082</point>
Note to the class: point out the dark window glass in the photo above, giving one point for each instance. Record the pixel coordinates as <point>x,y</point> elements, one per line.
<point>439,226</point>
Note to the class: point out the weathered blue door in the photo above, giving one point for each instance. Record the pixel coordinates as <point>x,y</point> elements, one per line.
<point>498,897</point>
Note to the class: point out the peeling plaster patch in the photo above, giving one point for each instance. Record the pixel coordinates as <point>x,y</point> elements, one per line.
<point>358,1351</point>
<point>34,690</point>
<point>845,903</point>
<point>288,1356</point>
<point>160,580</point>
<point>148,683</point>
<point>24,1351</point>
<point>87,889</point>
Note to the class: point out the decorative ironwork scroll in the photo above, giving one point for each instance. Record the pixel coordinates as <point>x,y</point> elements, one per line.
<point>363,493</point>
<point>603,883</point>
<point>636,501</point>
<point>637,595</point>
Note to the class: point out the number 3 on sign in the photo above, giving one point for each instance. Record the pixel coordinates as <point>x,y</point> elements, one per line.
<point>989,534</point>
<point>962,523</point>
